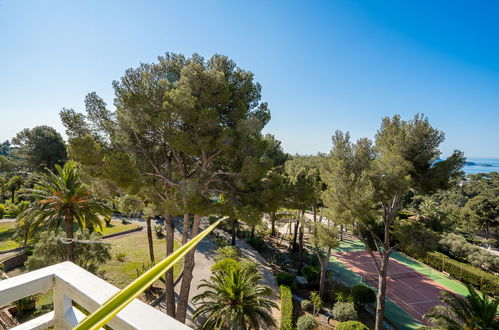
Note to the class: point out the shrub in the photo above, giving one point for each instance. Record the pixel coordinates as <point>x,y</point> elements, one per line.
<point>225,265</point>
<point>13,210</point>
<point>338,289</point>
<point>159,231</point>
<point>343,297</point>
<point>344,311</point>
<point>306,322</point>
<point>311,273</point>
<point>286,308</point>
<point>50,250</point>
<point>286,279</point>
<point>484,260</point>
<point>306,305</point>
<point>124,221</point>
<point>120,256</point>
<point>350,325</point>
<point>24,304</point>
<point>251,266</point>
<point>276,259</point>
<point>227,252</point>
<point>257,243</point>
<point>219,239</point>
<point>363,295</point>
<point>2,210</point>
<point>316,302</point>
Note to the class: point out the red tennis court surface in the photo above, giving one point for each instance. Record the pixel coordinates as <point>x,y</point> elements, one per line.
<point>412,291</point>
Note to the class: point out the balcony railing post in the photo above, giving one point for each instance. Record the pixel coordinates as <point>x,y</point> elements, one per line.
<point>63,311</point>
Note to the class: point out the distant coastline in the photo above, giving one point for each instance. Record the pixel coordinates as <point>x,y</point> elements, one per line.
<point>481,165</point>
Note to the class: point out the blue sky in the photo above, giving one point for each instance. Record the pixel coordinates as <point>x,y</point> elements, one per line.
<point>323,65</point>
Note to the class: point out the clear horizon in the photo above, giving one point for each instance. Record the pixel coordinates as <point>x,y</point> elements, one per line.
<point>323,65</point>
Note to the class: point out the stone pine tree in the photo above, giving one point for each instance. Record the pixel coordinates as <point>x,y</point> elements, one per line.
<point>246,185</point>
<point>311,166</point>
<point>39,148</point>
<point>274,193</point>
<point>275,183</point>
<point>301,197</point>
<point>483,213</point>
<point>174,123</point>
<point>368,181</point>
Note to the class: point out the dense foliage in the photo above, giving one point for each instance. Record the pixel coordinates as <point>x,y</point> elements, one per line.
<point>475,311</point>
<point>62,198</point>
<point>362,295</point>
<point>39,148</point>
<point>90,252</point>
<point>367,182</point>
<point>306,322</point>
<point>344,311</point>
<point>286,308</point>
<point>287,279</point>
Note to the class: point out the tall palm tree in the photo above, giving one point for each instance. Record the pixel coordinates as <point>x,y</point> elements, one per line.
<point>61,197</point>
<point>473,312</point>
<point>234,300</point>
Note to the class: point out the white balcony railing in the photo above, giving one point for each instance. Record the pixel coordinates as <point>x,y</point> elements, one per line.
<point>72,283</point>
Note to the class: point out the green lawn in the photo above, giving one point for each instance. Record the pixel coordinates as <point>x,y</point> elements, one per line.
<point>7,230</point>
<point>116,227</point>
<point>121,273</point>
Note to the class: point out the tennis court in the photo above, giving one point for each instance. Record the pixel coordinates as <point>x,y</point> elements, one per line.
<point>414,292</point>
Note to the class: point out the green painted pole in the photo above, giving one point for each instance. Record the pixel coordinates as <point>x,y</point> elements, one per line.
<point>122,298</point>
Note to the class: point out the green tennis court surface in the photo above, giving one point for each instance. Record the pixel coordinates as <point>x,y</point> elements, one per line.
<point>394,313</point>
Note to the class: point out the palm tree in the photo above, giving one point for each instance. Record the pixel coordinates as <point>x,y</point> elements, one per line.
<point>62,197</point>
<point>473,312</point>
<point>234,300</point>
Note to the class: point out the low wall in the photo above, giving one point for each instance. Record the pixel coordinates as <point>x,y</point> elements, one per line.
<point>139,228</point>
<point>14,261</point>
<point>11,250</point>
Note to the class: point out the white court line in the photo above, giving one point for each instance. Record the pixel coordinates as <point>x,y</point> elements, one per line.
<point>423,302</point>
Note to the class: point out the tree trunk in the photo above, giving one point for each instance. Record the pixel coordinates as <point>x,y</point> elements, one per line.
<point>300,246</point>
<point>272,224</point>
<point>13,196</point>
<point>185,229</point>
<point>149,239</point>
<point>233,241</point>
<point>324,261</point>
<point>294,246</point>
<point>341,232</point>
<point>380,298</point>
<point>189,264</point>
<point>169,290</point>
<point>69,235</point>
<point>252,234</point>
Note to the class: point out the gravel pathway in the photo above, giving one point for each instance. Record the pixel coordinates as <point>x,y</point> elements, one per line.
<point>204,259</point>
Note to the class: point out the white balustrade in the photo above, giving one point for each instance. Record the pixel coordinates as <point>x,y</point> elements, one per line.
<point>71,283</point>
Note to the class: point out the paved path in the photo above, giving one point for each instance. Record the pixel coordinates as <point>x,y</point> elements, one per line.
<point>204,260</point>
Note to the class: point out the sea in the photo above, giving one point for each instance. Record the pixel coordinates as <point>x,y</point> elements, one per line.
<point>481,165</point>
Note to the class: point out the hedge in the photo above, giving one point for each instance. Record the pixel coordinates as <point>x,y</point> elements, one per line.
<point>286,308</point>
<point>469,274</point>
<point>350,325</point>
